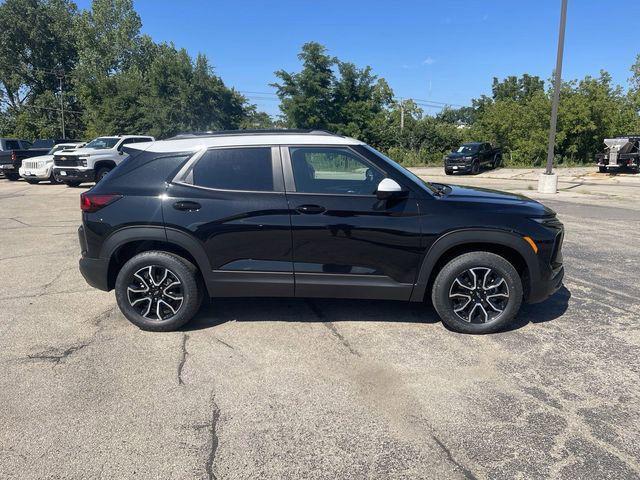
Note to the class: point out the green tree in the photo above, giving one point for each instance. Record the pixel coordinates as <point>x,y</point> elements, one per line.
<point>36,40</point>
<point>306,98</point>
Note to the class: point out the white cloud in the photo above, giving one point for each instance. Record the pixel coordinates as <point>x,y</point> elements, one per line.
<point>428,61</point>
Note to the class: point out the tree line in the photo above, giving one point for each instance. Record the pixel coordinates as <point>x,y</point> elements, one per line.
<point>110,79</point>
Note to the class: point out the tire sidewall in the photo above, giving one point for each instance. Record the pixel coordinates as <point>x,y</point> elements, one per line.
<point>446,276</point>
<point>186,273</point>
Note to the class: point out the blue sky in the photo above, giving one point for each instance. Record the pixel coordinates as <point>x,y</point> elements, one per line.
<point>444,51</point>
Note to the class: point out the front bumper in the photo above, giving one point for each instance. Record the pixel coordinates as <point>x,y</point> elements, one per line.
<point>458,167</point>
<point>36,173</point>
<point>543,288</point>
<point>70,174</point>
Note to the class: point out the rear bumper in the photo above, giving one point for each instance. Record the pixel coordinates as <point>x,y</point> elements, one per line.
<point>94,270</point>
<point>70,174</point>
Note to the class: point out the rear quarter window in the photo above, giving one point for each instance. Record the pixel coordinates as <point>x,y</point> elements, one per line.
<point>146,169</point>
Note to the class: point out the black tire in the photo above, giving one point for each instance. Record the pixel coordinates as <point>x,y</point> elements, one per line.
<point>475,167</point>
<point>602,169</point>
<point>14,177</point>
<point>73,184</point>
<point>448,293</point>
<point>32,181</point>
<point>448,172</point>
<point>101,173</point>
<point>497,161</point>
<point>178,269</point>
<point>53,180</point>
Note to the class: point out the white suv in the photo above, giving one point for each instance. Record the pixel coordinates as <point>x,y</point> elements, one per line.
<point>37,169</point>
<point>95,160</point>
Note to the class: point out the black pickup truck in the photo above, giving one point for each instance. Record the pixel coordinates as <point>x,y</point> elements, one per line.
<point>13,151</point>
<point>470,157</point>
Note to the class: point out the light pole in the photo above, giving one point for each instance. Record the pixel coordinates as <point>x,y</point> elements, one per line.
<point>60,76</point>
<point>548,182</point>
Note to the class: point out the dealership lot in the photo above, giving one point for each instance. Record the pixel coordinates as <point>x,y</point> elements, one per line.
<point>292,388</point>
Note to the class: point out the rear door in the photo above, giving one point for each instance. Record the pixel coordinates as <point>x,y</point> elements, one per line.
<point>231,201</point>
<point>346,242</point>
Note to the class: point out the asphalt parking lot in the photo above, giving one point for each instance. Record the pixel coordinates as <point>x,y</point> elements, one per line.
<point>261,388</point>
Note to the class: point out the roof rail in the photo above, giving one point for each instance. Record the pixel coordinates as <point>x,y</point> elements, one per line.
<point>272,131</point>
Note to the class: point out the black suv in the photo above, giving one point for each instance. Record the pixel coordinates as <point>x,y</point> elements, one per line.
<point>308,214</point>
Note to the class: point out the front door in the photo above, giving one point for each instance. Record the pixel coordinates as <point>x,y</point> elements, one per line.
<point>346,242</point>
<point>232,201</point>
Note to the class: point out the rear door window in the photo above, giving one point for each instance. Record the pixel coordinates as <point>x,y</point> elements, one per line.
<point>242,169</point>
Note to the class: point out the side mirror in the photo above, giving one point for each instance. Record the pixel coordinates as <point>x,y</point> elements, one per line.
<point>389,188</point>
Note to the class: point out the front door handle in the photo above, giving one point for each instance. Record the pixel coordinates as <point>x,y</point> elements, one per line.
<point>310,209</point>
<point>187,206</point>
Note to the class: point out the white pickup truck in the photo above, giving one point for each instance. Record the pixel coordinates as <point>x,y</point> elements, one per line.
<point>94,161</point>
<point>37,169</point>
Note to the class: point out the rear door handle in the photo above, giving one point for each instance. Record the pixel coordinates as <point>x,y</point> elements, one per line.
<point>187,206</point>
<point>310,209</point>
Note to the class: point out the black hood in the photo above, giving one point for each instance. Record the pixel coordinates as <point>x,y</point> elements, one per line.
<point>453,155</point>
<point>499,202</point>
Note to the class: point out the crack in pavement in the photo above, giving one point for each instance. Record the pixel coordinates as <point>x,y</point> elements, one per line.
<point>331,327</point>
<point>213,448</point>
<point>183,357</point>
<point>468,474</point>
<point>58,355</point>
<point>19,221</point>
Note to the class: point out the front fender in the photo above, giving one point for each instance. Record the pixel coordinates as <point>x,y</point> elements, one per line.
<point>472,236</point>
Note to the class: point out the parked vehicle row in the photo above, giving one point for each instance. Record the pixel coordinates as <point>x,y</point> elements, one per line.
<point>64,161</point>
<point>471,157</point>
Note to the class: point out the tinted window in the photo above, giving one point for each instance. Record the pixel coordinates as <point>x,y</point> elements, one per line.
<point>147,169</point>
<point>235,169</point>
<point>333,171</point>
<point>12,145</point>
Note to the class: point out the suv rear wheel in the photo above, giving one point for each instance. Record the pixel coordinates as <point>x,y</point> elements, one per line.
<point>158,291</point>
<point>477,292</point>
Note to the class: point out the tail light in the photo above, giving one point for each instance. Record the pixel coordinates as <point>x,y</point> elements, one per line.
<point>13,156</point>
<point>92,202</point>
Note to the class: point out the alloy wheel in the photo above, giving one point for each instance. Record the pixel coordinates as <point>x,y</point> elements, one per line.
<point>155,292</point>
<point>479,295</point>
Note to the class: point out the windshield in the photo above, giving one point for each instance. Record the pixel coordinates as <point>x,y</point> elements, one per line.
<point>395,165</point>
<point>102,142</point>
<point>467,148</point>
<point>57,148</point>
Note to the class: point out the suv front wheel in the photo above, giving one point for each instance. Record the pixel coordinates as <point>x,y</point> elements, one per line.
<point>477,292</point>
<point>158,291</point>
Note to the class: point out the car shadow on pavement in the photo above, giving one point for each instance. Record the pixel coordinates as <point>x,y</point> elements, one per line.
<point>223,310</point>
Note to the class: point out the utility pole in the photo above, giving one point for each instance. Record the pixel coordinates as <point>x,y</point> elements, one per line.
<point>401,114</point>
<point>60,76</point>
<point>549,181</point>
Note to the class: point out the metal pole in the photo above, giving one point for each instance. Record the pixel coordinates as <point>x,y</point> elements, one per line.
<point>401,114</point>
<point>556,90</point>
<point>60,75</point>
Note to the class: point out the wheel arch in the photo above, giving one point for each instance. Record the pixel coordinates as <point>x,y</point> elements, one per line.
<point>110,164</point>
<point>128,242</point>
<point>450,245</point>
